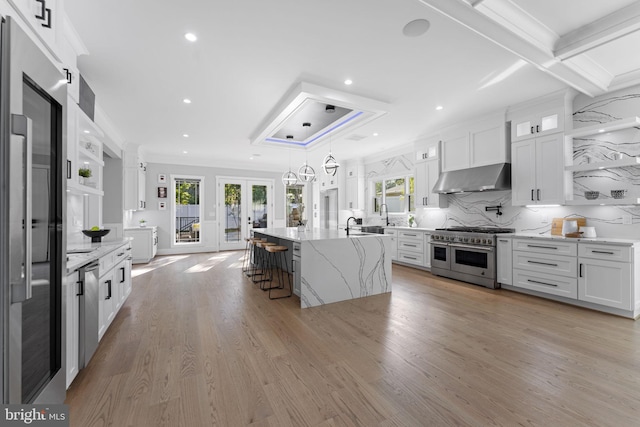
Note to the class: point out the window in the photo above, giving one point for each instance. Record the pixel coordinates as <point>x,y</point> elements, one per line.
<point>396,193</point>
<point>187,209</point>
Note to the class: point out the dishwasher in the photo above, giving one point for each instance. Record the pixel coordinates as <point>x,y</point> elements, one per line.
<point>88,313</point>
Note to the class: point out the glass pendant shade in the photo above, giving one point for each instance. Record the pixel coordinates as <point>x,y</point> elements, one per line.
<point>306,173</point>
<point>330,165</point>
<point>289,178</point>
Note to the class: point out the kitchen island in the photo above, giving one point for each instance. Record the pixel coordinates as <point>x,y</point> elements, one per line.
<point>329,266</point>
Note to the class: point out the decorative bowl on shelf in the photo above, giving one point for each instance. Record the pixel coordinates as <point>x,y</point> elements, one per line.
<point>96,235</point>
<point>591,195</point>
<point>618,194</point>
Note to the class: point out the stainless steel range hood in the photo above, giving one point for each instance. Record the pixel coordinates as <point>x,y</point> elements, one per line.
<point>483,178</point>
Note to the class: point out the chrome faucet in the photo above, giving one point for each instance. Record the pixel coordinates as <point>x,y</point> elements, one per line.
<point>386,210</point>
<point>348,219</point>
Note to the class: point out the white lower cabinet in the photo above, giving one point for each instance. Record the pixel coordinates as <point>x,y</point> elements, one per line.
<point>427,250</point>
<point>394,242</point>
<point>73,326</point>
<point>597,275</point>
<point>547,283</point>
<point>106,305</point>
<point>504,261</point>
<point>144,243</point>
<point>605,275</point>
<point>411,247</point>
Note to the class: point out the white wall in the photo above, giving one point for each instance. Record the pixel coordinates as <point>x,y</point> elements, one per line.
<point>163,219</point>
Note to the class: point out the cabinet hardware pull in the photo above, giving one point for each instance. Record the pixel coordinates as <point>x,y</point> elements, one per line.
<point>108,289</point>
<point>120,254</point>
<point>538,192</point>
<point>542,263</point>
<point>532,195</point>
<point>503,241</point>
<point>537,128</point>
<point>81,283</point>
<point>407,244</point>
<point>603,252</point>
<point>542,247</point>
<point>580,272</point>
<point>532,129</point>
<point>410,257</point>
<point>122,280</point>
<point>542,283</point>
<point>68,169</point>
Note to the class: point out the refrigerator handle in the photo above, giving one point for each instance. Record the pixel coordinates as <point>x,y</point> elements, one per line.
<point>21,126</point>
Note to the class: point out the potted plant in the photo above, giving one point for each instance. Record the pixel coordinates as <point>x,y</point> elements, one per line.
<point>143,222</point>
<point>84,173</point>
<point>411,221</point>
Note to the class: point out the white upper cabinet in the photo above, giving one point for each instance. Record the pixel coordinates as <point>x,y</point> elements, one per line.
<point>427,174</point>
<point>479,143</point>
<point>537,173</point>
<point>537,124</point>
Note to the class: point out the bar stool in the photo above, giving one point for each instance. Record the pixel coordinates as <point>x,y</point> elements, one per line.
<point>278,261</point>
<point>247,262</point>
<point>261,262</point>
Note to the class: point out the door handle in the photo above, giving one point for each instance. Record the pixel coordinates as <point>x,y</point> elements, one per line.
<point>21,289</point>
<point>123,278</point>
<point>108,282</point>
<point>538,193</point>
<point>81,283</point>
<point>580,271</point>
<point>532,195</point>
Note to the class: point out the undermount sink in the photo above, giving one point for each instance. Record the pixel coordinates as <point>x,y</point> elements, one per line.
<point>377,229</point>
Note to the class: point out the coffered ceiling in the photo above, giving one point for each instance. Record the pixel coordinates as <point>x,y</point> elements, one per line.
<point>477,56</point>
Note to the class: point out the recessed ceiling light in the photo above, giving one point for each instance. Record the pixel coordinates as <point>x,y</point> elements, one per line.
<point>186,101</point>
<point>439,107</point>
<point>251,158</point>
<point>601,130</point>
<point>184,152</point>
<point>186,135</point>
<point>87,131</point>
<point>348,82</point>
<point>375,134</point>
<point>191,37</point>
<point>416,28</point>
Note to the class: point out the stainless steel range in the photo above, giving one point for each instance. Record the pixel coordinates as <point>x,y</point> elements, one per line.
<point>466,253</point>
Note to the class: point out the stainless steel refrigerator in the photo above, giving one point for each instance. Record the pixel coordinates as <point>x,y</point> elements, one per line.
<point>33,98</point>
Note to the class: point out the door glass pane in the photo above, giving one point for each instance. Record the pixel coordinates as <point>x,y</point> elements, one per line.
<point>41,327</point>
<point>549,122</point>
<point>377,198</point>
<point>523,128</point>
<point>259,206</point>
<point>395,195</point>
<point>295,205</point>
<point>412,194</point>
<point>232,212</point>
<point>187,210</point>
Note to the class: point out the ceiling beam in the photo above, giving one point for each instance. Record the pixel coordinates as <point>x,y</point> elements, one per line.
<point>604,30</point>
<point>541,57</point>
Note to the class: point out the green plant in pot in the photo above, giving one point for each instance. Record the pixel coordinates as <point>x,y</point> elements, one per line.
<point>84,174</point>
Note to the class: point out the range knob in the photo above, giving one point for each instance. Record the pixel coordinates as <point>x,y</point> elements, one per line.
<point>436,237</point>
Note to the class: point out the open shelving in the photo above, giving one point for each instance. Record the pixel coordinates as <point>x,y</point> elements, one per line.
<point>600,129</point>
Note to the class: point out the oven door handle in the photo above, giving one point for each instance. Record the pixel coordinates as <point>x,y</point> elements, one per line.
<point>439,244</point>
<point>478,248</point>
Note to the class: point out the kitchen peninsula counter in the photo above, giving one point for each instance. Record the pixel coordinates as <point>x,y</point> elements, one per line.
<point>333,266</point>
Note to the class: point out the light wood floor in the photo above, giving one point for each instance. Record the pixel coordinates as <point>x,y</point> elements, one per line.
<point>197,344</point>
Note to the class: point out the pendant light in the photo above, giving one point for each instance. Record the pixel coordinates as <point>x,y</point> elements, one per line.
<point>330,165</point>
<point>289,178</point>
<point>306,172</point>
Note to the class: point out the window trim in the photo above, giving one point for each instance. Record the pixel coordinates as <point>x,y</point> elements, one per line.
<point>201,196</point>
<point>383,179</point>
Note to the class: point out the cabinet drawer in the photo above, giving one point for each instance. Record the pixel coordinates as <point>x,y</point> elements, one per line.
<point>407,235</point>
<point>411,245</point>
<point>107,262</point>
<point>547,283</point>
<point>392,232</point>
<point>411,258</point>
<point>559,264</point>
<point>545,247</point>
<point>121,254</point>
<point>608,252</point>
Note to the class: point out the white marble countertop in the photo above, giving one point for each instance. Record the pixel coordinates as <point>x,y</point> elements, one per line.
<point>605,240</point>
<point>292,233</point>
<point>394,227</point>
<point>146,227</point>
<point>95,251</point>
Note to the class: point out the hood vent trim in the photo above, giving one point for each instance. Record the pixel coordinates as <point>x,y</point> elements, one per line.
<point>483,178</point>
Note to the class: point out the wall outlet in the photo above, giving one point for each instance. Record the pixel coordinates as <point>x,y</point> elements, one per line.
<point>626,219</point>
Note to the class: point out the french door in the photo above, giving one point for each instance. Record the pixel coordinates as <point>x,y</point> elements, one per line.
<point>243,205</point>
